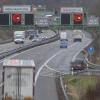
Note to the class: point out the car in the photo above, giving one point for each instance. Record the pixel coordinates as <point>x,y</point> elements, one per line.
<point>35,39</point>
<point>31,37</point>
<point>78,65</point>
<point>44,37</point>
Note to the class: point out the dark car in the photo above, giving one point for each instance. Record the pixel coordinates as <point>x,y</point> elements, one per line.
<point>31,37</point>
<point>78,65</point>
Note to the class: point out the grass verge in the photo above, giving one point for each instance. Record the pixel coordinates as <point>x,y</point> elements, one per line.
<point>77,86</point>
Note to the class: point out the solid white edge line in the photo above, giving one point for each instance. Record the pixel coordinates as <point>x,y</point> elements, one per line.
<point>39,70</point>
<point>74,57</point>
<point>57,53</point>
<point>55,70</point>
<point>16,54</point>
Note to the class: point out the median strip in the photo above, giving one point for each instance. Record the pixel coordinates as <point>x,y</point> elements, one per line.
<point>26,47</point>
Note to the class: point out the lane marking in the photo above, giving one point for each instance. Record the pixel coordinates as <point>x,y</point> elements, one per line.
<point>45,63</point>
<point>62,73</point>
<point>16,54</point>
<point>39,70</point>
<point>51,69</point>
<point>55,69</point>
<point>74,57</point>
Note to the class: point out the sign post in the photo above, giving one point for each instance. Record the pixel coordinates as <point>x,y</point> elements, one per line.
<point>90,52</point>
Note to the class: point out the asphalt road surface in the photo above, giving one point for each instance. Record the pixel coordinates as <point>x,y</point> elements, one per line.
<point>49,58</point>
<point>10,46</point>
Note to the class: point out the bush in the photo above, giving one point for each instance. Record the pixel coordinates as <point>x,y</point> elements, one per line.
<point>92,93</point>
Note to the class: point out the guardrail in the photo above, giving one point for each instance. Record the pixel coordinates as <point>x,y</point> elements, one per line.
<point>20,49</point>
<point>88,72</point>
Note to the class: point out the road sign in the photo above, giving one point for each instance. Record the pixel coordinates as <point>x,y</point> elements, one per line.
<point>29,19</point>
<point>71,10</point>
<point>65,19</point>
<point>71,15</point>
<point>42,21</point>
<point>4,19</point>
<point>90,50</point>
<point>17,8</point>
<point>93,21</point>
<point>78,18</point>
<point>16,19</point>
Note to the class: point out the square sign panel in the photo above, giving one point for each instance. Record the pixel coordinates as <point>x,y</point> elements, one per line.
<point>29,19</point>
<point>4,19</point>
<point>92,21</point>
<point>78,18</point>
<point>16,19</point>
<point>65,19</point>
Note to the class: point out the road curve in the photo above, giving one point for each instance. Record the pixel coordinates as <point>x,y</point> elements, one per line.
<point>45,88</point>
<point>11,46</point>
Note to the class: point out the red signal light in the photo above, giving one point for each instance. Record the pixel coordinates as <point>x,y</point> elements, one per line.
<point>16,19</point>
<point>78,18</point>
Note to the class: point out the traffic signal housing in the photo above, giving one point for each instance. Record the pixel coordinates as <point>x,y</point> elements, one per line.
<point>65,19</point>
<point>4,19</point>
<point>16,19</point>
<point>29,19</point>
<point>78,18</point>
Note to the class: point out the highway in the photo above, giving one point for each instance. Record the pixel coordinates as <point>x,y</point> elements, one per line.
<point>40,55</point>
<point>49,58</point>
<point>11,46</point>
